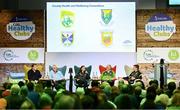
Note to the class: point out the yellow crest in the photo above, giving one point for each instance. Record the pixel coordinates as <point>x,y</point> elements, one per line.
<point>107,38</point>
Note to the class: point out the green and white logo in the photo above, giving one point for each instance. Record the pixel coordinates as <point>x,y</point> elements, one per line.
<point>173,55</point>
<point>33,55</point>
<point>67,18</point>
<point>106,15</point>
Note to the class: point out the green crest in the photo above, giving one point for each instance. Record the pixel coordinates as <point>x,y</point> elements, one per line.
<point>106,15</point>
<point>33,55</point>
<point>173,54</point>
<point>67,18</point>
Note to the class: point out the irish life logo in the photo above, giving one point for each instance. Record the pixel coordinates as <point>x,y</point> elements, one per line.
<point>21,28</point>
<point>160,27</point>
<point>33,55</point>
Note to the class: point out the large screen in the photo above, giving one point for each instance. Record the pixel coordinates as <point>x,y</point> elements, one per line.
<point>174,2</point>
<point>91,27</point>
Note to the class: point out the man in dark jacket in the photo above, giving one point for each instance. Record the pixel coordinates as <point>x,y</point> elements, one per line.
<point>136,74</point>
<point>33,73</point>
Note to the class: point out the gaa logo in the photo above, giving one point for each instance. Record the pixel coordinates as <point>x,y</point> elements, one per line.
<point>33,55</point>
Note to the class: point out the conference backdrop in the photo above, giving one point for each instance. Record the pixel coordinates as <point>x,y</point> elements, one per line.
<point>91,27</point>
<point>94,59</point>
<point>158,34</point>
<point>21,28</point>
<point>22,41</point>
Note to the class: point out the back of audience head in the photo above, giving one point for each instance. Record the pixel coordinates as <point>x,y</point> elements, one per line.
<point>104,84</point>
<point>107,90</point>
<point>80,91</point>
<point>94,83</point>
<point>30,86</point>
<point>15,89</point>
<point>137,91</point>
<point>171,86</point>
<point>162,99</point>
<point>27,105</point>
<point>124,89</point>
<point>38,88</point>
<point>154,82</point>
<point>151,93</point>
<point>24,91</point>
<point>7,85</point>
<point>87,102</point>
<point>123,102</point>
<point>65,102</point>
<point>140,83</point>
<point>45,102</point>
<point>175,99</point>
<point>111,83</point>
<point>21,83</point>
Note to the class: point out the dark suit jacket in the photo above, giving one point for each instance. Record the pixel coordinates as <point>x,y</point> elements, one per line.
<point>34,75</point>
<point>83,79</point>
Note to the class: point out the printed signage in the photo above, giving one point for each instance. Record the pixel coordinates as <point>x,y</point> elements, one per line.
<point>21,55</point>
<point>153,55</point>
<point>21,28</point>
<point>160,27</point>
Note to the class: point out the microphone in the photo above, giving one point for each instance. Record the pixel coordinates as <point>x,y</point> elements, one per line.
<point>86,72</point>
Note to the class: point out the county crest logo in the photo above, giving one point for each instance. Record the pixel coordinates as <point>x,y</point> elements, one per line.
<point>107,38</point>
<point>67,38</point>
<point>67,18</point>
<point>106,15</point>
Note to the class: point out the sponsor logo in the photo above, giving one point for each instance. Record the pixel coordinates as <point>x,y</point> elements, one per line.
<point>9,55</point>
<point>127,43</point>
<point>107,38</point>
<point>160,27</point>
<point>173,55</point>
<point>67,38</point>
<point>149,55</point>
<point>33,55</point>
<point>21,28</point>
<point>106,15</point>
<point>67,18</point>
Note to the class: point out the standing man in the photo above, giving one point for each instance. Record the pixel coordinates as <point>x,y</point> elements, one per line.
<point>33,73</point>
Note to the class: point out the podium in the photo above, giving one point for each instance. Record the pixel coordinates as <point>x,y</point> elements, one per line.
<point>160,73</point>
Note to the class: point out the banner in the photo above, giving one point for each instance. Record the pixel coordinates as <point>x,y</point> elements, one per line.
<point>160,27</point>
<point>153,55</point>
<point>21,28</point>
<point>21,55</point>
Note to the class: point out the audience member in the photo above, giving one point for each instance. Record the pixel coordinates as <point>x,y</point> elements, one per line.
<point>14,100</point>
<point>32,95</point>
<point>171,88</point>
